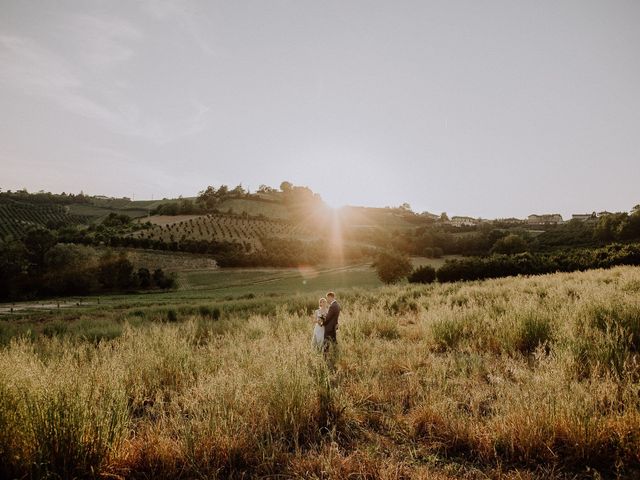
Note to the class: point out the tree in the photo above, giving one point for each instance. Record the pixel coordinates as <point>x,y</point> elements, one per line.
<point>163,281</point>
<point>238,191</point>
<point>609,226</point>
<point>13,266</point>
<point>144,277</point>
<point>423,274</point>
<point>265,189</point>
<point>70,270</point>
<point>286,187</point>
<point>115,271</point>
<point>38,241</point>
<point>444,217</point>
<point>116,220</point>
<point>510,244</point>
<point>392,267</point>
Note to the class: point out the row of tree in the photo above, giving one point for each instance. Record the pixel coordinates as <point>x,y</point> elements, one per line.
<point>38,265</point>
<point>392,267</point>
<point>43,197</point>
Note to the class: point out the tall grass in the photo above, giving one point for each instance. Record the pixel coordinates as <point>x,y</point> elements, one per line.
<point>513,378</point>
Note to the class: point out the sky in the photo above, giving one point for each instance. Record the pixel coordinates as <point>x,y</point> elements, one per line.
<point>483,108</point>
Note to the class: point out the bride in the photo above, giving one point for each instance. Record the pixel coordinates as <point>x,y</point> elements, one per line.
<point>318,329</point>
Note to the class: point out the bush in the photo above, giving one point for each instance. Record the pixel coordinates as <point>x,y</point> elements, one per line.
<point>392,267</point>
<point>497,266</point>
<point>172,315</point>
<point>423,274</point>
<point>209,312</point>
<point>510,244</point>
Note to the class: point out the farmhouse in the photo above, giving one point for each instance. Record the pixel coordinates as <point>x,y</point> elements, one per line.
<point>463,221</point>
<point>583,217</point>
<point>545,219</point>
<point>430,216</point>
<point>509,220</point>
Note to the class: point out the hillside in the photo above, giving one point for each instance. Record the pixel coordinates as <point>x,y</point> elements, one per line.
<point>221,228</point>
<point>16,217</point>
<point>20,210</point>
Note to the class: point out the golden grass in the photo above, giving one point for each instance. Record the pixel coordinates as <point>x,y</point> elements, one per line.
<point>511,378</point>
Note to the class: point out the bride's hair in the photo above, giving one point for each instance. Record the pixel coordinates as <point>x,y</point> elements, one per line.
<point>322,300</point>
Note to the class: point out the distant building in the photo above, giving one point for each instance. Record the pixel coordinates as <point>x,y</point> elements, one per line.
<point>463,222</point>
<point>430,216</point>
<point>509,220</point>
<point>583,217</point>
<point>545,219</point>
<point>604,213</point>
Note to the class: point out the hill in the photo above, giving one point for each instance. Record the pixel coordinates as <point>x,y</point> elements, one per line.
<point>249,232</point>
<point>22,210</point>
<point>17,217</point>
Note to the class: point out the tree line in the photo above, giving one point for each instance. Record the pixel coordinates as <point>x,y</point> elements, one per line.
<point>392,267</point>
<point>40,265</point>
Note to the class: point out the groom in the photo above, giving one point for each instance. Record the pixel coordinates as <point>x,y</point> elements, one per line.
<point>331,322</point>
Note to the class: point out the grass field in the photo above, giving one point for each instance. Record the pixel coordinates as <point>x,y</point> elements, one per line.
<point>516,378</point>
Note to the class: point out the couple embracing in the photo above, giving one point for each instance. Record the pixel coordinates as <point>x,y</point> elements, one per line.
<point>326,322</point>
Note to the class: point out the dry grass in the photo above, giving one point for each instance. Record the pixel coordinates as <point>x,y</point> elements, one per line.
<point>513,378</point>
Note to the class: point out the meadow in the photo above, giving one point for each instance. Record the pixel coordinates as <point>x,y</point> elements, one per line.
<point>527,377</point>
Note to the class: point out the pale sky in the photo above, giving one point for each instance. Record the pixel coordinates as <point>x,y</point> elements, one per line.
<point>482,108</point>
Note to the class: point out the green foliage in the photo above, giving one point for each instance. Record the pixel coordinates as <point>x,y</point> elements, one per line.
<point>497,266</point>
<point>172,315</point>
<point>209,312</point>
<point>509,245</point>
<point>392,267</point>
<point>116,220</point>
<point>423,274</point>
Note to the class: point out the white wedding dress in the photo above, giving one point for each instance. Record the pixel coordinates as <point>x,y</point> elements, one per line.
<point>318,330</point>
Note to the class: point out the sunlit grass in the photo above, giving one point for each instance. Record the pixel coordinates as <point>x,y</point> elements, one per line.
<point>515,378</point>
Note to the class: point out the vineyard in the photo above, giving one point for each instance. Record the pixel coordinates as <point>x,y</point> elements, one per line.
<point>223,228</point>
<point>17,217</point>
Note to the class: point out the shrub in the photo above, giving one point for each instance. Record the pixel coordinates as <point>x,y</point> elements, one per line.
<point>423,274</point>
<point>209,312</point>
<point>172,315</point>
<point>392,267</point>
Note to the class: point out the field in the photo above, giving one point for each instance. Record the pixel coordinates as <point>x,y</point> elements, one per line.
<point>512,378</point>
<point>252,207</point>
<point>17,217</point>
<point>221,228</point>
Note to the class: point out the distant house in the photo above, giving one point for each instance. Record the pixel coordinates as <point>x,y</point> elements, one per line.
<point>583,217</point>
<point>545,219</point>
<point>430,216</point>
<point>463,221</point>
<point>604,213</point>
<point>509,220</point>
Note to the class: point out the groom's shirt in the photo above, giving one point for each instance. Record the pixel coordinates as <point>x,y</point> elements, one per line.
<point>331,320</point>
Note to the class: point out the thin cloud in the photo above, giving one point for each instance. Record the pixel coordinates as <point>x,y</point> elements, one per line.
<point>35,70</point>
<point>104,40</point>
<point>178,13</point>
<point>38,71</point>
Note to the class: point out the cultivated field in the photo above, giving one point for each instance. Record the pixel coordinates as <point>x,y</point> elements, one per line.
<point>221,228</point>
<point>17,217</point>
<point>512,378</point>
